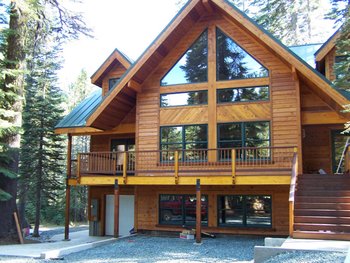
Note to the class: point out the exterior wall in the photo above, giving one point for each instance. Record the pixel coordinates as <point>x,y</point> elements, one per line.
<point>283,109</point>
<point>147,210</point>
<point>329,65</point>
<point>116,72</point>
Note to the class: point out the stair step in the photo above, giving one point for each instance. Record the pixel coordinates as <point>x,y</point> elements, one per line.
<point>322,227</point>
<point>329,235</point>
<point>322,193</point>
<point>320,205</point>
<point>322,212</point>
<point>322,219</point>
<point>321,199</point>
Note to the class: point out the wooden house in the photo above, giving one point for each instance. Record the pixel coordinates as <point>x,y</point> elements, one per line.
<point>211,128</point>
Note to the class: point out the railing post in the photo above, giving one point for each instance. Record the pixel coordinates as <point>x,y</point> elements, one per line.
<point>292,191</point>
<point>114,157</point>
<point>125,166</point>
<point>78,167</point>
<point>176,166</point>
<point>198,212</point>
<point>116,208</point>
<point>233,163</point>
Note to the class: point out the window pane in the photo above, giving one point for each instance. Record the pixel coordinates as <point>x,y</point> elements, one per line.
<point>190,209</point>
<point>232,62</point>
<point>112,82</point>
<point>231,210</point>
<point>170,209</point>
<point>171,134</point>
<point>192,66</point>
<point>258,210</point>
<point>257,130</point>
<point>230,131</point>
<point>243,94</point>
<point>184,98</point>
<point>196,133</point>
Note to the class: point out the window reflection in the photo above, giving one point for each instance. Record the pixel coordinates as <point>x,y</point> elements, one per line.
<point>192,66</point>
<point>232,62</point>
<point>243,94</point>
<point>184,98</point>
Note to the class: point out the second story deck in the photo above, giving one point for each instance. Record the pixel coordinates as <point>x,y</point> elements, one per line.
<point>263,165</point>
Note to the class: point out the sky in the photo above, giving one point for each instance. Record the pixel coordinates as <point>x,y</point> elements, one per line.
<point>129,25</point>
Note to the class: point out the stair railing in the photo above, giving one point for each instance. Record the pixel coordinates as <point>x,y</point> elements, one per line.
<point>292,191</point>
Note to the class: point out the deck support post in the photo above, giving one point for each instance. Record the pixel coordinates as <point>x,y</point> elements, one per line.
<point>116,208</point>
<point>198,212</point>
<point>69,174</point>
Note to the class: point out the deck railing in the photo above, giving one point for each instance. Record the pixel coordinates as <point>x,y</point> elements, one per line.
<point>184,162</point>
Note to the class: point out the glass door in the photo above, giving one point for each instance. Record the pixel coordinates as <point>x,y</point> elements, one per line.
<point>119,146</point>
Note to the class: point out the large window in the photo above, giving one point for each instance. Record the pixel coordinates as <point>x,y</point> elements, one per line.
<point>244,134</point>
<point>244,210</point>
<point>188,138</point>
<point>184,98</point>
<point>233,62</point>
<point>181,209</point>
<point>192,67</point>
<point>243,94</point>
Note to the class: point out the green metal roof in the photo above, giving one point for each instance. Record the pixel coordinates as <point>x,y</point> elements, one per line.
<point>306,52</point>
<point>78,116</point>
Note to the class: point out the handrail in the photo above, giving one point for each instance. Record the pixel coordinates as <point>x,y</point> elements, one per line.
<point>292,191</point>
<point>183,162</point>
<point>347,159</point>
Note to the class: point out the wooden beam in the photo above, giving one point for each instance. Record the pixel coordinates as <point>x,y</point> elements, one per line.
<point>69,175</point>
<point>207,6</point>
<point>325,117</point>
<point>327,47</point>
<point>116,209</point>
<point>276,179</point>
<point>134,85</point>
<point>18,227</point>
<point>82,131</point>
<point>198,212</point>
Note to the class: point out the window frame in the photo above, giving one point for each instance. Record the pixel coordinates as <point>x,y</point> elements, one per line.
<point>245,213</point>
<point>183,142</point>
<point>110,80</point>
<point>182,55</point>
<point>216,56</point>
<point>184,105</point>
<point>183,210</point>
<point>241,88</point>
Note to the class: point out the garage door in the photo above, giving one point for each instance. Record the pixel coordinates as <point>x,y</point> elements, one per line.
<point>126,214</point>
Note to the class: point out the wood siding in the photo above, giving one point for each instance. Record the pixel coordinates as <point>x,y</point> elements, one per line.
<point>116,72</point>
<point>147,206</point>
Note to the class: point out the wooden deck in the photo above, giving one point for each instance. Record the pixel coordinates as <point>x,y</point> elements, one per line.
<point>264,165</point>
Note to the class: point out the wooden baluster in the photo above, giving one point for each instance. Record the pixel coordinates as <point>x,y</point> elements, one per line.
<point>233,163</point>
<point>125,166</point>
<point>176,163</point>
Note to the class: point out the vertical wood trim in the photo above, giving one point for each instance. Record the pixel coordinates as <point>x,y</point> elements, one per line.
<point>176,167</point>
<point>136,212</point>
<point>327,67</point>
<point>198,212</point>
<point>298,115</point>
<point>212,116</point>
<point>69,174</point>
<point>233,163</point>
<point>125,166</point>
<point>116,209</point>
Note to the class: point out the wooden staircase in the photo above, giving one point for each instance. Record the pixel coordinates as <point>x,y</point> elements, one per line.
<point>322,207</point>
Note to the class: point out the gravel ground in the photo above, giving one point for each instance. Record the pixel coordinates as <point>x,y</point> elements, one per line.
<point>45,235</point>
<point>309,257</point>
<point>170,250</point>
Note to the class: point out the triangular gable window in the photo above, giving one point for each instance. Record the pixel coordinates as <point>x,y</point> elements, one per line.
<point>192,67</point>
<point>233,62</point>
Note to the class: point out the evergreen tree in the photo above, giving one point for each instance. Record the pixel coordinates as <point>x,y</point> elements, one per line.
<point>11,88</point>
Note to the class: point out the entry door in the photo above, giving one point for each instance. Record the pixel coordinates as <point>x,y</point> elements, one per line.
<point>126,214</point>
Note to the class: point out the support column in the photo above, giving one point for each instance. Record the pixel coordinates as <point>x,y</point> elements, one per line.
<point>198,212</point>
<point>69,174</point>
<point>116,208</point>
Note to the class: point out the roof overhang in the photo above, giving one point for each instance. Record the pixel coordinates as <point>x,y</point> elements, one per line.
<point>327,46</point>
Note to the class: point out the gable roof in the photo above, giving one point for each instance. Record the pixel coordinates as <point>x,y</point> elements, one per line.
<point>327,46</point>
<point>115,57</point>
<point>306,52</point>
<point>188,15</point>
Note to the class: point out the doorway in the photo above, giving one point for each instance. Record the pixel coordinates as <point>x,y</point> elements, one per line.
<point>120,146</point>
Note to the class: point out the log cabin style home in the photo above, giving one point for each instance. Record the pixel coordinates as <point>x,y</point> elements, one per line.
<point>218,127</point>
